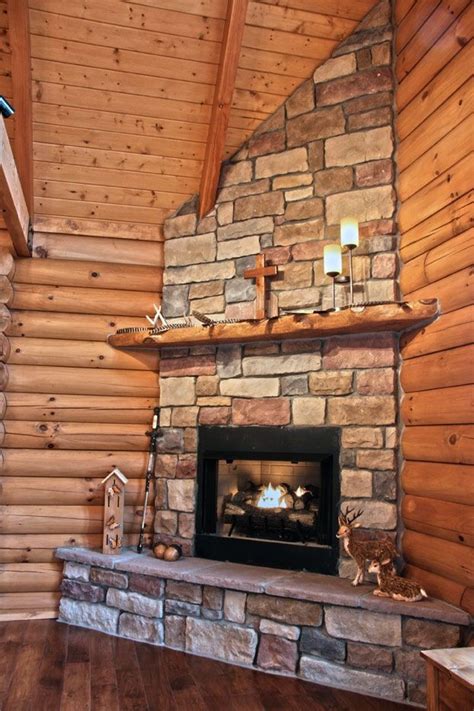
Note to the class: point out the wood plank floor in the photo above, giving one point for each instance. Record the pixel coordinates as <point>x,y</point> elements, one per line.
<point>46,666</point>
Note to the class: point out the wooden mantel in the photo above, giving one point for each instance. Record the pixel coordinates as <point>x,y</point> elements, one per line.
<point>356,319</point>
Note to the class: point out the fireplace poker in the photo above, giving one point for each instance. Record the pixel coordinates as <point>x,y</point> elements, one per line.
<point>150,471</point>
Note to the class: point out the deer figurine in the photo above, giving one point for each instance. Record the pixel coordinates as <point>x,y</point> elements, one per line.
<point>361,551</point>
<point>390,585</point>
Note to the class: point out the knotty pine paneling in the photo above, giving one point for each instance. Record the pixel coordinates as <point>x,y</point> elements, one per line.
<point>434,98</point>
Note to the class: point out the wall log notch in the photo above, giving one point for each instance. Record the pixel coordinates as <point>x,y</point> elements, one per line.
<point>435,112</point>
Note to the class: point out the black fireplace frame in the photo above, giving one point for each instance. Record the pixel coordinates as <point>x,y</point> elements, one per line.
<point>319,444</point>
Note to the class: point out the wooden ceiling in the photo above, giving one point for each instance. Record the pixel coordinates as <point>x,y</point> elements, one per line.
<point>123,91</point>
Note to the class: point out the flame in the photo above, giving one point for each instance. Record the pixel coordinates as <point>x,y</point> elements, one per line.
<point>300,491</point>
<point>271,498</point>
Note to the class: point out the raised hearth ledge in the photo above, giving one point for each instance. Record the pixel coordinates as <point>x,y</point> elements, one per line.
<point>363,319</point>
<point>299,586</point>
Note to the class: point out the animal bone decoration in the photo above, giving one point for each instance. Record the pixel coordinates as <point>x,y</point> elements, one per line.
<point>361,551</point>
<point>390,585</point>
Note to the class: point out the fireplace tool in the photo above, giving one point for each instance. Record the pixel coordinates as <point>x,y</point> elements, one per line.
<point>150,471</point>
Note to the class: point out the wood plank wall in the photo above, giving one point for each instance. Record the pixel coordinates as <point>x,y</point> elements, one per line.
<point>434,99</point>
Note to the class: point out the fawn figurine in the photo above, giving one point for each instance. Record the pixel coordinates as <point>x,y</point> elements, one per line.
<point>361,551</point>
<point>390,585</point>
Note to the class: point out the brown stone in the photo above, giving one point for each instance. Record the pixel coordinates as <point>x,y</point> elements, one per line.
<point>277,654</point>
<point>184,416</point>
<point>377,410</point>
<point>333,180</point>
<point>77,571</point>
<point>82,591</point>
<point>261,411</point>
<point>210,288</point>
<point>214,415</point>
<point>187,592</point>
<point>359,147</point>
<point>381,290</point>
<point>317,124</point>
<point>234,606</point>
<point>242,312</point>
<point>231,249</point>
<point>309,250</point>
<point>359,352</point>
<point>300,194</point>
<point>134,602</point>
<point>181,494</point>
<point>303,209</point>
<point>376,514</point>
<point>381,54</point>
<point>294,275</point>
<point>280,630</point>
<point>207,224</point>
<point>380,381</point>
<point>146,584</point>
<point>259,205</point>
<point>190,250</point>
<point>140,628</point>
<point>370,119</point>
<point>356,482</point>
<point>221,640</point>
<point>335,68</point>
<point>186,525</point>
<point>379,16</point>
<point>365,204</point>
<point>308,410</point>
<point>369,656</point>
<point>369,82</point>
<point>216,401</point>
<point>273,122</point>
<point>212,598</point>
<point>363,626</point>
<point>299,232</point>
<point>236,191</point>
<point>364,58</point>
<point>369,437</point>
<point>410,665</point>
<point>301,101</point>
<point>253,226</point>
<point>366,103</point>
<point>299,298</point>
<point>303,346</point>
<point>384,266</point>
<point>321,671</point>
<point>175,631</point>
<point>236,173</point>
<point>293,161</point>
<point>166,465</point>
<point>190,439</point>
<point>212,304</point>
<point>179,226</point>
<point>326,382</point>
<point>429,635</point>
<point>166,522</point>
<point>292,181</point>
<point>378,172</point>
<point>107,577</point>
<point>207,385</point>
<point>299,362</point>
<point>161,498</point>
<point>264,143</point>
<point>277,255</point>
<point>316,155</point>
<point>186,468</point>
<point>292,612</point>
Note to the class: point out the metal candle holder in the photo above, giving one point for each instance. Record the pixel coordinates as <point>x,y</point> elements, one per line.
<point>351,247</point>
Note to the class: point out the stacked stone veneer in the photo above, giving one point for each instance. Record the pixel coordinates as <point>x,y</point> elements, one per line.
<point>326,153</point>
<point>337,636</point>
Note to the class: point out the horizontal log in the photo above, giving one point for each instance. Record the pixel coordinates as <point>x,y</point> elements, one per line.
<point>443,406</point>
<point>76,354</point>
<point>7,263</point>
<point>443,519</point>
<point>445,558</point>
<point>352,320</point>
<point>68,381</point>
<point>78,327</point>
<point>68,299</point>
<point>76,408</point>
<point>106,249</point>
<point>63,491</point>
<point>437,370</point>
<point>448,331</point>
<point>24,545</point>
<point>14,606</point>
<point>73,435</point>
<point>439,443</point>
<point>6,290</point>
<point>5,348</point>
<point>30,577</point>
<point>65,519</point>
<point>57,463</point>
<point>446,482</point>
<point>440,261</point>
<point>129,231</point>
<point>453,292</point>
<point>436,585</point>
<point>87,274</point>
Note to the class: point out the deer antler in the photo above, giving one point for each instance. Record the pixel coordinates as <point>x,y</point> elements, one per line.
<point>356,515</point>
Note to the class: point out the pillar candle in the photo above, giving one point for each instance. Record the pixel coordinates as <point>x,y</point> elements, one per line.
<point>332,259</point>
<point>349,232</point>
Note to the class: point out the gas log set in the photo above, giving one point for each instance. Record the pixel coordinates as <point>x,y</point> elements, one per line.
<point>278,512</point>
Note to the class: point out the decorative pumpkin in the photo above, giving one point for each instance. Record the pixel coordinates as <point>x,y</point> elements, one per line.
<point>173,552</point>
<point>159,550</point>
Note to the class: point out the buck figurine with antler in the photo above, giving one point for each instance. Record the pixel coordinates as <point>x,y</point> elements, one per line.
<point>390,585</point>
<point>362,551</point>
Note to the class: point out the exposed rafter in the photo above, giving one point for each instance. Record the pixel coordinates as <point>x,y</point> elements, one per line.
<point>19,32</point>
<point>12,199</point>
<point>229,60</point>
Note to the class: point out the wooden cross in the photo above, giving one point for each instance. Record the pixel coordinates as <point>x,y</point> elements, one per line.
<point>259,273</point>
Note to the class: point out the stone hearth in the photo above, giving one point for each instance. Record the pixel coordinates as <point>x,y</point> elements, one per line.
<point>311,626</point>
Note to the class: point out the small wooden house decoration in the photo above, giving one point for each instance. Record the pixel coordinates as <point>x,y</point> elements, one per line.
<point>114,499</point>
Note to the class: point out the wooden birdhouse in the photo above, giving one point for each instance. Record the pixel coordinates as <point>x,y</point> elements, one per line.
<point>114,499</point>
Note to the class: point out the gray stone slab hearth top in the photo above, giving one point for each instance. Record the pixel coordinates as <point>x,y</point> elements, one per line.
<point>235,576</point>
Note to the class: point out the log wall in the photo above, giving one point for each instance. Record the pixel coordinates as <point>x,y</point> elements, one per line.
<point>434,100</point>
<point>72,407</point>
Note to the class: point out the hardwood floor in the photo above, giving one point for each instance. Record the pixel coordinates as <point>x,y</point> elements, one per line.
<point>45,666</point>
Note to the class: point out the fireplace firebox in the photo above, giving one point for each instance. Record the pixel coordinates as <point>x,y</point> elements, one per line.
<point>268,496</point>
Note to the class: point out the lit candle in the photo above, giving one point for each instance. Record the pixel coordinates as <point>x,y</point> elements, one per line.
<point>349,232</point>
<point>332,260</point>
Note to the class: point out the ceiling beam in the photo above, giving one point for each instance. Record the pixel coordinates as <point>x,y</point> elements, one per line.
<point>12,199</point>
<point>19,32</point>
<point>224,90</point>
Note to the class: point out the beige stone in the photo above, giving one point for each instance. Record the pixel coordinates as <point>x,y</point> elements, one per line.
<point>250,387</point>
<point>376,459</point>
<point>275,365</point>
<point>384,266</point>
<point>293,161</point>
<point>365,205</point>
<point>205,289</point>
<point>334,68</point>
<point>327,673</point>
<point>166,522</point>
<point>315,125</point>
<point>165,416</point>
<point>308,410</point>
<point>181,494</point>
<point>234,606</point>
<point>235,173</point>
<point>280,630</point>
<point>332,180</point>
<point>304,209</point>
<point>238,247</point>
<point>232,193</point>
<point>376,514</point>
<point>190,250</point>
<point>302,100</point>
<point>184,416</point>
<point>221,640</point>
<point>216,401</point>
<point>359,147</point>
<point>365,410</point>
<point>356,482</point>
<point>177,391</point>
<point>299,298</point>
<point>212,305</point>
<point>255,226</point>
<point>369,437</point>
<point>292,181</point>
<point>380,381</point>
<point>364,626</point>
<point>179,226</point>
<point>225,213</point>
<point>199,272</point>
<point>391,437</point>
<point>294,275</point>
<point>381,289</point>
<point>327,382</point>
<point>381,54</point>
<point>259,205</point>
<point>286,610</point>
<point>207,385</point>
<point>300,231</point>
<point>299,194</point>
